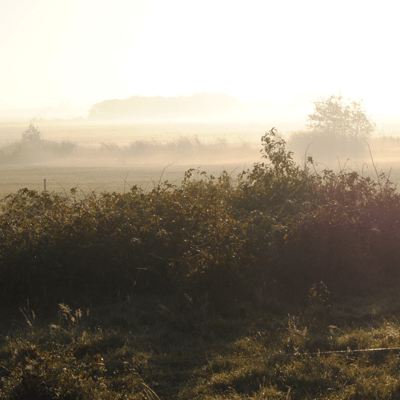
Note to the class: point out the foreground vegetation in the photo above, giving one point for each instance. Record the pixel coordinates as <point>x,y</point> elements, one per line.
<point>141,349</point>
<point>215,288</point>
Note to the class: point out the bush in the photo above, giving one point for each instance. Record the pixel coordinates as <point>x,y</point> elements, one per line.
<point>349,240</point>
<point>278,227</point>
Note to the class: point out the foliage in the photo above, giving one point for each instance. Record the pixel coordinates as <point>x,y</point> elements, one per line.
<point>225,288</point>
<point>345,240</point>
<point>335,117</point>
<point>278,225</point>
<point>336,128</point>
<point>32,134</point>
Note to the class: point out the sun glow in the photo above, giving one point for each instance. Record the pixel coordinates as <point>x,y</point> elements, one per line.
<point>83,52</point>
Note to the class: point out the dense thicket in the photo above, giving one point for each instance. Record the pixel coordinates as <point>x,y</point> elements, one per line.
<point>276,228</point>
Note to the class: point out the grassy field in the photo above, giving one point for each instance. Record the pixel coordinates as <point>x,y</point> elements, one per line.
<point>98,179</point>
<point>118,179</point>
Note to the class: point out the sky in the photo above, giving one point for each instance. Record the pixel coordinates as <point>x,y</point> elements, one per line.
<point>80,52</point>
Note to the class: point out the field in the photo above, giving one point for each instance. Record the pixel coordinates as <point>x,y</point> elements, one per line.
<point>106,160</point>
<point>278,283</point>
<point>97,179</point>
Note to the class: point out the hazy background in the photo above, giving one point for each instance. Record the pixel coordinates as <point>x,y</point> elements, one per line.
<point>217,74</point>
<point>71,54</point>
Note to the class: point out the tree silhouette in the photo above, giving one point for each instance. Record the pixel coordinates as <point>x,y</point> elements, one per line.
<point>334,117</point>
<point>31,135</point>
<point>334,131</point>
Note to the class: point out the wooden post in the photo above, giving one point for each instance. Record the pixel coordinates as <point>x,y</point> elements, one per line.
<point>44,180</point>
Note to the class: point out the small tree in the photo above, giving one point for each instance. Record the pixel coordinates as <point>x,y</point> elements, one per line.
<point>32,135</point>
<point>335,117</point>
<point>333,131</point>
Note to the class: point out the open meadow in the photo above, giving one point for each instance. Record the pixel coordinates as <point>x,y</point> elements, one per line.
<point>96,179</point>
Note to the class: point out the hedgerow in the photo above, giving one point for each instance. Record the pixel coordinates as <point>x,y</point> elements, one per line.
<point>277,227</point>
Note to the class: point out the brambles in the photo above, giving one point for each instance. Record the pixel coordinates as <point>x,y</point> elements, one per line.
<point>232,240</point>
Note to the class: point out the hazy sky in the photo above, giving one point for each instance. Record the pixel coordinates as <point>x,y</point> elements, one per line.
<point>86,51</point>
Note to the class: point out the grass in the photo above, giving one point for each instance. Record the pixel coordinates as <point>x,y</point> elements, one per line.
<point>115,178</point>
<point>139,349</point>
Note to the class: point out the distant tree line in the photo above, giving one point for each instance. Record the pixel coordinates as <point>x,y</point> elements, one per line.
<point>197,105</point>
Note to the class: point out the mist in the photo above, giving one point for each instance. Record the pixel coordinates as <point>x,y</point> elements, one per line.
<point>114,157</point>
<point>148,138</point>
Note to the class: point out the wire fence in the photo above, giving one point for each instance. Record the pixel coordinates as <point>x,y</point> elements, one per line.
<point>267,357</point>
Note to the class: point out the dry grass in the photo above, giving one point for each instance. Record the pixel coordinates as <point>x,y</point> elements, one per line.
<point>139,349</point>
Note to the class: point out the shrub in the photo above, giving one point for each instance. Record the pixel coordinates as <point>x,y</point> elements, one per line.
<point>277,226</point>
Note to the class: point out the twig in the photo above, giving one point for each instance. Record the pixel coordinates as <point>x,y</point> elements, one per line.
<point>373,163</point>
<point>62,187</point>
<point>162,173</point>
<point>125,180</point>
